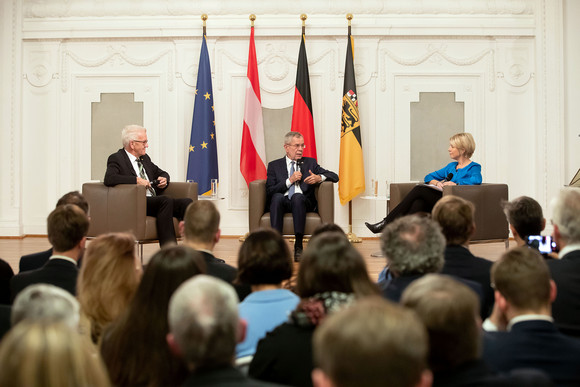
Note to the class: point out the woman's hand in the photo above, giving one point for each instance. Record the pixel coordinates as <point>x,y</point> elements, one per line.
<point>448,183</point>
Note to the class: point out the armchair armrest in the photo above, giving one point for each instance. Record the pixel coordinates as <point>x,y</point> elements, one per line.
<point>325,199</point>
<point>180,189</point>
<point>398,191</point>
<point>257,203</point>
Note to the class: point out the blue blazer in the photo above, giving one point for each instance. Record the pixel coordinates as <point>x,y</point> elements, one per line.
<point>468,175</point>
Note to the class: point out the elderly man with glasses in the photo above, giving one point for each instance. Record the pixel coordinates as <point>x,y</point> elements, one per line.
<point>290,187</point>
<point>132,165</point>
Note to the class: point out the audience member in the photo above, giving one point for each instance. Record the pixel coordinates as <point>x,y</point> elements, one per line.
<point>37,260</point>
<point>6,274</point>
<point>204,329</point>
<point>46,303</point>
<point>201,229</point>
<point>525,218</point>
<point>35,354</point>
<point>372,343</point>
<point>332,275</point>
<point>524,292</point>
<point>134,347</point>
<point>327,227</point>
<point>107,281</point>
<point>67,227</point>
<point>132,165</point>
<point>455,217</point>
<point>566,270</point>
<point>264,262</point>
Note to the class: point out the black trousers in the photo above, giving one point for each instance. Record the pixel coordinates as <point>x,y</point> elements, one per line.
<point>299,205</point>
<point>420,199</point>
<point>165,209</point>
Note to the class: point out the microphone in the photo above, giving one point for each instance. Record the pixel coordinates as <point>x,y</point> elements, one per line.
<point>299,163</point>
<point>448,178</point>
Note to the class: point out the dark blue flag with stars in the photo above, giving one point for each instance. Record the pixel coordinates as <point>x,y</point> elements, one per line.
<point>202,165</point>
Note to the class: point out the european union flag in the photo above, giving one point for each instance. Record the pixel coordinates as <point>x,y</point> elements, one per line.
<point>202,165</point>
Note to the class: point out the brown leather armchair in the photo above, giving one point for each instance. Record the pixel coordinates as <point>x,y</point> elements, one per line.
<point>123,208</point>
<point>490,221</point>
<point>259,216</point>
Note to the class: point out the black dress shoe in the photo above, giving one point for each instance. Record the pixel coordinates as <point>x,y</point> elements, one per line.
<point>297,253</point>
<point>377,227</point>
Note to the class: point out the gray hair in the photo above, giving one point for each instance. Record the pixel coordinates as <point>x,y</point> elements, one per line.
<point>203,318</point>
<point>290,135</point>
<point>566,214</point>
<point>129,133</point>
<point>413,245</point>
<point>48,303</point>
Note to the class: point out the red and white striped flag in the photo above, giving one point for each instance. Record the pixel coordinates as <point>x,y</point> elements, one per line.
<point>253,154</point>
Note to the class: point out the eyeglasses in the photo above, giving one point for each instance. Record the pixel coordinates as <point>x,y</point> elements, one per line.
<point>296,146</point>
<point>145,142</point>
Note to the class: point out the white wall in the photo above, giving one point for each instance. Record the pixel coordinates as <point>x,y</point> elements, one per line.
<point>511,62</point>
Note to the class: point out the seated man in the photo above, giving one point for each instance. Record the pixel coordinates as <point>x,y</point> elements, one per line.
<point>132,165</point>
<point>525,217</point>
<point>290,187</point>
<point>524,292</point>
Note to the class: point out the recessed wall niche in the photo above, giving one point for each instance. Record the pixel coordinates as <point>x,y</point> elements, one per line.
<point>277,122</point>
<point>435,118</point>
<point>108,117</point>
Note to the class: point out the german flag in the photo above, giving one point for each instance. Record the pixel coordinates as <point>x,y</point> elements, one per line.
<point>302,111</point>
<point>351,166</point>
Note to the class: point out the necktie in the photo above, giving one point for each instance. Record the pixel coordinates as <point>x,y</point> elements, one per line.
<point>293,186</point>
<point>142,176</point>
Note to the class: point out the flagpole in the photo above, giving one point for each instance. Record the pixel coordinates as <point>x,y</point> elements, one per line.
<point>204,18</point>
<point>303,17</point>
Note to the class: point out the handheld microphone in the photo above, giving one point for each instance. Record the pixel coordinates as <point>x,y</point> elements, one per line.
<point>299,163</point>
<point>448,178</point>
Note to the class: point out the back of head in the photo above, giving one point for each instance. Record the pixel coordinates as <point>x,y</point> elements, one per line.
<point>201,221</point>
<point>46,303</point>
<point>76,198</point>
<point>455,216</point>
<point>566,214</point>
<point>463,141</point>
<point>130,133</point>
<point>413,245</point>
<point>67,225</point>
<point>525,215</point>
<point>372,343</point>
<point>264,258</point>
<point>522,277</point>
<point>49,355</point>
<point>327,227</point>
<point>203,319</point>
<point>330,263</point>
<point>450,312</point>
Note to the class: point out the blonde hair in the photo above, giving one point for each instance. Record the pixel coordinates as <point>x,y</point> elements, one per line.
<point>33,354</point>
<point>107,280</point>
<point>464,142</point>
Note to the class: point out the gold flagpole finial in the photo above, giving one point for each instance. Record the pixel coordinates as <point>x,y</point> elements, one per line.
<point>252,18</point>
<point>303,17</point>
<point>204,18</point>
<point>349,17</point>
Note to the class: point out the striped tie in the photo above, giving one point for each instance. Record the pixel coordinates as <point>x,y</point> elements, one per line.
<point>142,176</point>
<point>293,186</point>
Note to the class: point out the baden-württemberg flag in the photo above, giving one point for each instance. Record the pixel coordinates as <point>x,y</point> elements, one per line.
<point>351,166</point>
<point>203,163</point>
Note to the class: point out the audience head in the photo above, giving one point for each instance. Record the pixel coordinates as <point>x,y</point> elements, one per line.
<point>521,278</point>
<point>371,343</point>
<point>463,142</point>
<point>525,217</point>
<point>76,198</point>
<point>413,245</point>
<point>566,217</point>
<point>203,322</point>
<point>108,278</point>
<point>67,227</point>
<point>331,263</point>
<point>455,217</point>
<point>201,223</point>
<point>264,258</point>
<point>45,303</point>
<point>450,312</point>
<point>327,227</point>
<point>35,354</point>
<point>131,133</point>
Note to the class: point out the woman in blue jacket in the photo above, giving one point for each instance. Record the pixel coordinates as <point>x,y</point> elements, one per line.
<point>422,198</point>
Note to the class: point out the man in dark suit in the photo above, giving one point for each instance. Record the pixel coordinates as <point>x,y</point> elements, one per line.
<point>37,260</point>
<point>67,227</point>
<point>566,270</point>
<point>290,187</point>
<point>132,165</point>
<point>201,230</point>
<point>524,292</point>
<point>204,327</point>
<point>455,216</point>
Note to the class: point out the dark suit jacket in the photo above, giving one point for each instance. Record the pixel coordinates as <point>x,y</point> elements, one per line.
<point>225,376</point>
<point>6,274</point>
<point>57,272</point>
<point>34,261</point>
<point>535,344</point>
<point>566,307</point>
<point>219,268</point>
<point>278,173</point>
<point>121,171</point>
<point>459,262</point>
<point>5,322</point>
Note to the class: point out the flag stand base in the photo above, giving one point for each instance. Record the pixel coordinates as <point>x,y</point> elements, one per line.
<point>352,238</point>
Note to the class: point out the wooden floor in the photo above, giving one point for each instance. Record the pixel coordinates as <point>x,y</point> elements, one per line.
<point>12,249</point>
